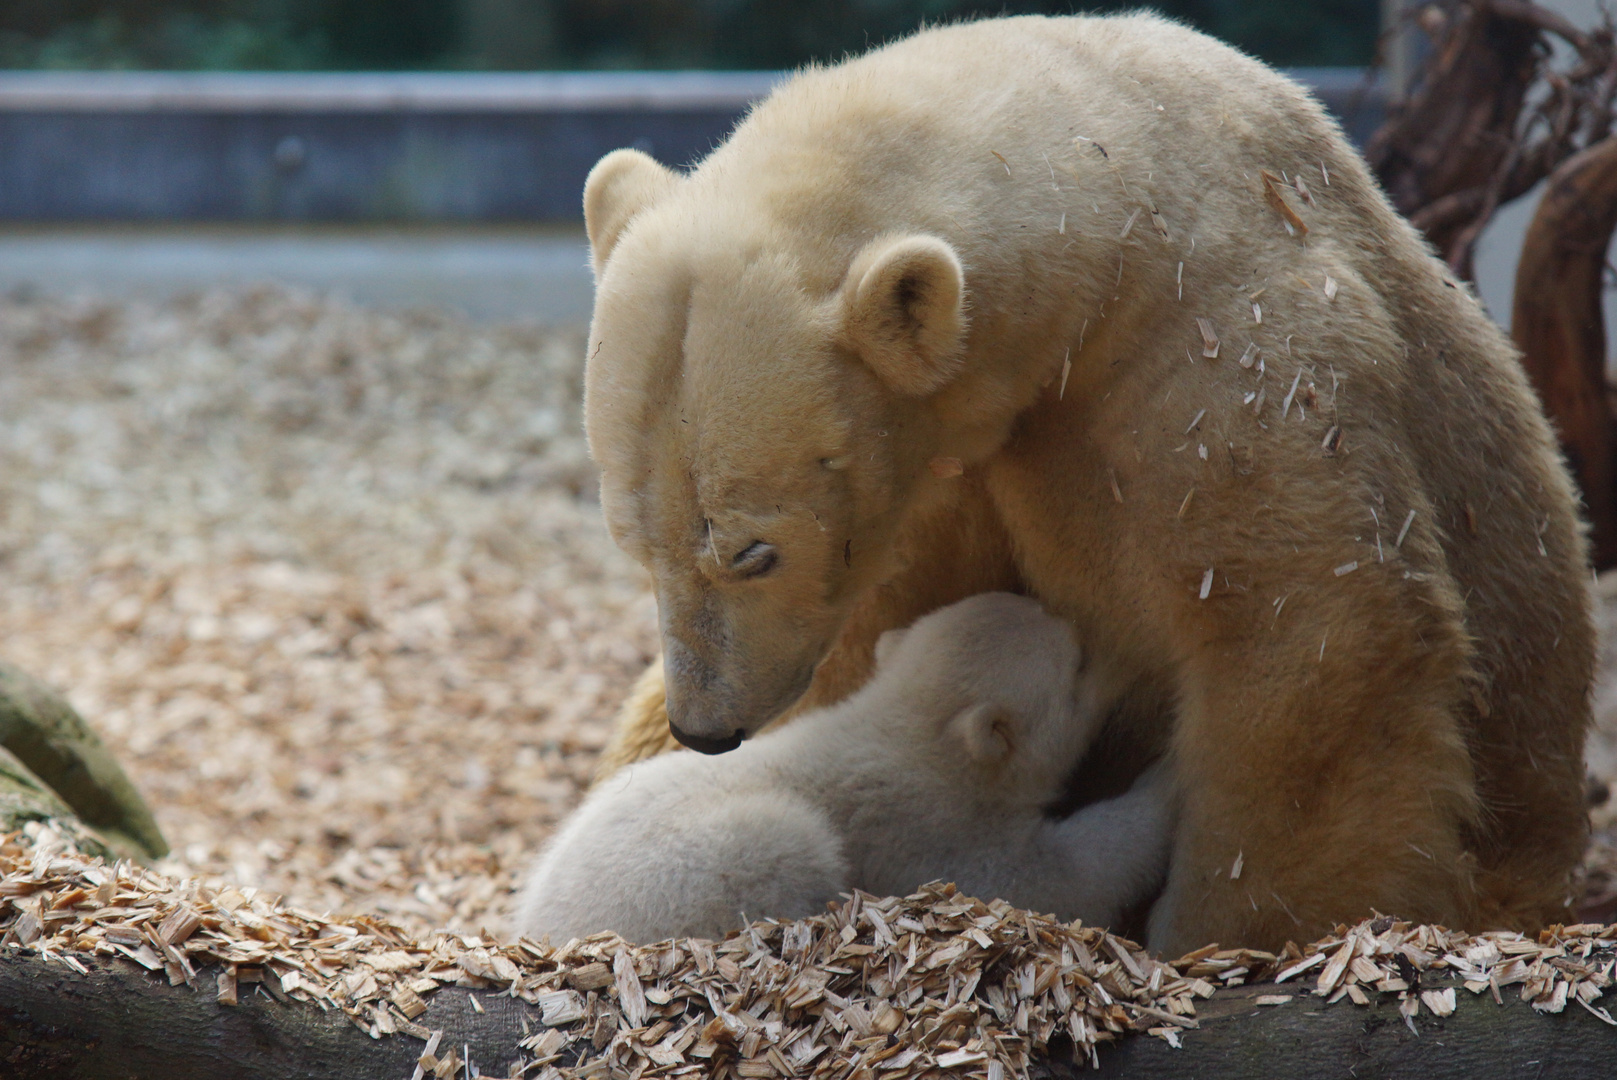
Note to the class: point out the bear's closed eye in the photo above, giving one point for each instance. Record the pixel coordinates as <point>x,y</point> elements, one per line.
<point>755,560</point>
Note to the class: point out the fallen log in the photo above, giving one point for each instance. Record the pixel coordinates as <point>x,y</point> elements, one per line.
<point>119,1021</point>
<point>116,970</point>
<point>1305,1038</point>
<point>1557,321</point>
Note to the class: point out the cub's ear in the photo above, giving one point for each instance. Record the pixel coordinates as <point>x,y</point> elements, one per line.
<point>904,311</point>
<point>988,731</point>
<point>888,644</point>
<point>621,185</point>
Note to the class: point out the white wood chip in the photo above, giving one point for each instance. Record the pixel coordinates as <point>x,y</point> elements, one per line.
<point>1404,531</point>
<point>1285,406</point>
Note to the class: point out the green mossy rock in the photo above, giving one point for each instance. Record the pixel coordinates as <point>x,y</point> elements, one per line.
<point>58,768</point>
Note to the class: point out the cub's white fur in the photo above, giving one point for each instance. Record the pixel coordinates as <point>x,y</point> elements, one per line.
<point>939,768</point>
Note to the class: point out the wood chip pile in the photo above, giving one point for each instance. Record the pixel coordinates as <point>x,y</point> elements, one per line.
<point>332,586</point>
<point>900,987</point>
<point>330,583</point>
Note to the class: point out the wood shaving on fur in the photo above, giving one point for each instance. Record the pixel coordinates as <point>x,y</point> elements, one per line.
<point>1295,225</point>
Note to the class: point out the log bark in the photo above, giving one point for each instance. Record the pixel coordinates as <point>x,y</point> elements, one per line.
<point>1306,1038</point>
<point>121,1022</point>
<point>1558,323</point>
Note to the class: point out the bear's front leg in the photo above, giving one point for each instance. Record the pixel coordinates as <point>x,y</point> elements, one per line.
<point>1324,777</point>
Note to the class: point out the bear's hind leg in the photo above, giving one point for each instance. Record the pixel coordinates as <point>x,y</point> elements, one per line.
<point>1321,792</point>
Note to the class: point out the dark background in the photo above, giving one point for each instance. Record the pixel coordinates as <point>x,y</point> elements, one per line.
<point>585,34</point>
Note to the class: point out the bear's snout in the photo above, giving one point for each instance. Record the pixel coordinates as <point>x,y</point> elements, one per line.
<point>707,744</point>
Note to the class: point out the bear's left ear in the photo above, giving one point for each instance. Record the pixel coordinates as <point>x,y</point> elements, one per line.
<point>620,185</point>
<point>989,731</point>
<point>904,311</point>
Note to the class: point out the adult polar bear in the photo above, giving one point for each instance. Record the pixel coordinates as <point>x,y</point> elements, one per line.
<point>1333,571</point>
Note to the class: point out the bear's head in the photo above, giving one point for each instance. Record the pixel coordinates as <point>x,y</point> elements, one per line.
<point>763,418</point>
<point>995,683</point>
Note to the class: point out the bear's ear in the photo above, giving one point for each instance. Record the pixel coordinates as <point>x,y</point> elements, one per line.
<point>988,731</point>
<point>904,311</point>
<point>621,185</point>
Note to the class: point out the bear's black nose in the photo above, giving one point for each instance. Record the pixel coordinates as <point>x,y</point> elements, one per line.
<point>704,744</point>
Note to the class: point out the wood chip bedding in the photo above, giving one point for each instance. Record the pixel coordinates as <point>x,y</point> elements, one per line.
<point>332,586</point>
<point>903,987</point>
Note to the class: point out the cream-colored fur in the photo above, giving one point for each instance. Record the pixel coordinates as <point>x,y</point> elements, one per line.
<point>942,767</point>
<point>929,319</point>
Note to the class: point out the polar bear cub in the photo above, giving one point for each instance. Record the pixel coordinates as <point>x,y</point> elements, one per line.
<point>941,767</point>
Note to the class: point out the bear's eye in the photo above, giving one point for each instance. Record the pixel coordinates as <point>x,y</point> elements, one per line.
<point>755,560</point>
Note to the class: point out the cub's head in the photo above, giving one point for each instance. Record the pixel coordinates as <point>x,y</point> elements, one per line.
<point>762,416</point>
<point>997,681</point>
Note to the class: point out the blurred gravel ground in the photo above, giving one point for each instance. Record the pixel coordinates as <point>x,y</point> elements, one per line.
<point>333,586</point>
<point>330,583</point>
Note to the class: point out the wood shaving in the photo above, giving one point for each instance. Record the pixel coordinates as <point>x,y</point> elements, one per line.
<point>1209,338</point>
<point>935,980</point>
<point>384,547</point>
<point>1285,406</point>
<point>1295,225</point>
<point>332,584</point>
<point>1403,531</point>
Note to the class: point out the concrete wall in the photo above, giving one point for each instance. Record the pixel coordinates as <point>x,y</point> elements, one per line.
<point>128,147</point>
<point>338,147</point>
